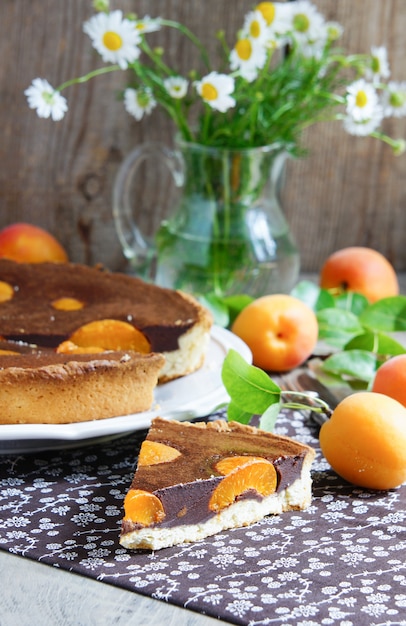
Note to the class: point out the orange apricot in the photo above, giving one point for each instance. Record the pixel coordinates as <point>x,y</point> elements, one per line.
<point>230,463</point>
<point>6,291</point>
<point>26,243</point>
<point>390,378</point>
<point>365,440</point>
<point>68,347</point>
<point>362,270</point>
<point>280,330</point>
<point>154,452</point>
<point>111,334</point>
<point>256,474</point>
<point>67,304</point>
<point>143,507</point>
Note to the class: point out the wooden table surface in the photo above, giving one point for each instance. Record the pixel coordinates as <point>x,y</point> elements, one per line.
<point>35,593</point>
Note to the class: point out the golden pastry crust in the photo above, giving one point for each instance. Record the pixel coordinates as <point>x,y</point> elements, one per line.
<point>62,389</point>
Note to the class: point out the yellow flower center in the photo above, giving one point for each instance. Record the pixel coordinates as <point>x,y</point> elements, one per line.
<point>361,99</point>
<point>112,41</point>
<point>255,29</point>
<point>244,49</point>
<point>209,92</point>
<point>268,11</point>
<point>301,23</point>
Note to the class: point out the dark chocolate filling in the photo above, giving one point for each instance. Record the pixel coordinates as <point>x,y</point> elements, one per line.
<point>163,315</point>
<point>188,503</point>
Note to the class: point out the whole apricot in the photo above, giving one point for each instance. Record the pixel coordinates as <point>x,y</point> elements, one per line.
<point>362,270</point>
<point>365,440</point>
<point>26,243</point>
<point>390,378</point>
<point>280,330</point>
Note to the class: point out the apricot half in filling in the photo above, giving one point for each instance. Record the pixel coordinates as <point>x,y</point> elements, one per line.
<point>67,304</point>
<point>6,291</point>
<point>143,507</point>
<point>107,334</point>
<point>242,473</point>
<point>153,453</point>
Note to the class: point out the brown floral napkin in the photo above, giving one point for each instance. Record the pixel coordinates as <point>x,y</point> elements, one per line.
<point>341,562</point>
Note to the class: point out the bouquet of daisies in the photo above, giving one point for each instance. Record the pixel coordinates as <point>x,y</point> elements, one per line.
<point>284,73</point>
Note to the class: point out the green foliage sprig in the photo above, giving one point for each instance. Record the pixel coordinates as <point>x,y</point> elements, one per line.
<point>360,334</point>
<point>253,392</point>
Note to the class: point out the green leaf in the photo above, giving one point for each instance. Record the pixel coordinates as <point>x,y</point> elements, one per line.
<point>235,304</point>
<point>268,419</point>
<point>358,364</point>
<point>235,414</point>
<point>388,314</point>
<point>225,309</point>
<point>218,309</point>
<point>337,326</point>
<point>379,343</point>
<point>352,301</point>
<point>312,295</point>
<point>249,387</point>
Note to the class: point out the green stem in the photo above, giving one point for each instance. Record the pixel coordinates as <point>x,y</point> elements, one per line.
<point>188,33</point>
<point>89,76</point>
<point>313,403</point>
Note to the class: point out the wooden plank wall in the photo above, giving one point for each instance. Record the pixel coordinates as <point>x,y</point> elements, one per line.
<point>348,191</point>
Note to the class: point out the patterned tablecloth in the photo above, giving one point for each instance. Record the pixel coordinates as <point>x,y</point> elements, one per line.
<point>341,562</point>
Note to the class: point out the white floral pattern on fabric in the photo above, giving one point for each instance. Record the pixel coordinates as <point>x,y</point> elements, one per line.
<point>340,562</point>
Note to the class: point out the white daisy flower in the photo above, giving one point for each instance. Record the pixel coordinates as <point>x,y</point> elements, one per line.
<point>276,16</point>
<point>147,24</point>
<point>362,101</point>
<point>139,102</point>
<point>215,89</point>
<point>365,127</point>
<point>176,86</point>
<point>379,67</point>
<point>114,38</point>
<point>255,27</point>
<point>46,100</point>
<point>307,25</point>
<point>394,99</point>
<point>248,57</point>
<point>334,30</point>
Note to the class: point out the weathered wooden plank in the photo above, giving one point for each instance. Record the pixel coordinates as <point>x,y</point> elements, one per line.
<point>60,175</point>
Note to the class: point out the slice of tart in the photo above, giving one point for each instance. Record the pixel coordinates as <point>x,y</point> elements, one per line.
<point>194,480</point>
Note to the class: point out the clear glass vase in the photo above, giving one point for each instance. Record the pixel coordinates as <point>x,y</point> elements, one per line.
<point>228,234</point>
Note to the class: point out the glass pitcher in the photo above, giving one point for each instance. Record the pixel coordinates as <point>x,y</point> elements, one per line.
<point>227,233</point>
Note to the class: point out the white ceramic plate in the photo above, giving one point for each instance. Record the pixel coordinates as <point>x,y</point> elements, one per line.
<point>192,396</point>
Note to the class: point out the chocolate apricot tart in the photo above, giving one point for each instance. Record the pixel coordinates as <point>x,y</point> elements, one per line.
<point>194,480</point>
<point>67,330</point>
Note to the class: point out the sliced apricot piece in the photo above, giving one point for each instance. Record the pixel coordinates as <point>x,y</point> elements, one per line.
<point>2,352</point>
<point>230,463</point>
<point>6,291</point>
<point>67,304</point>
<point>68,347</point>
<point>258,474</point>
<point>143,507</point>
<point>153,452</point>
<point>111,335</point>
